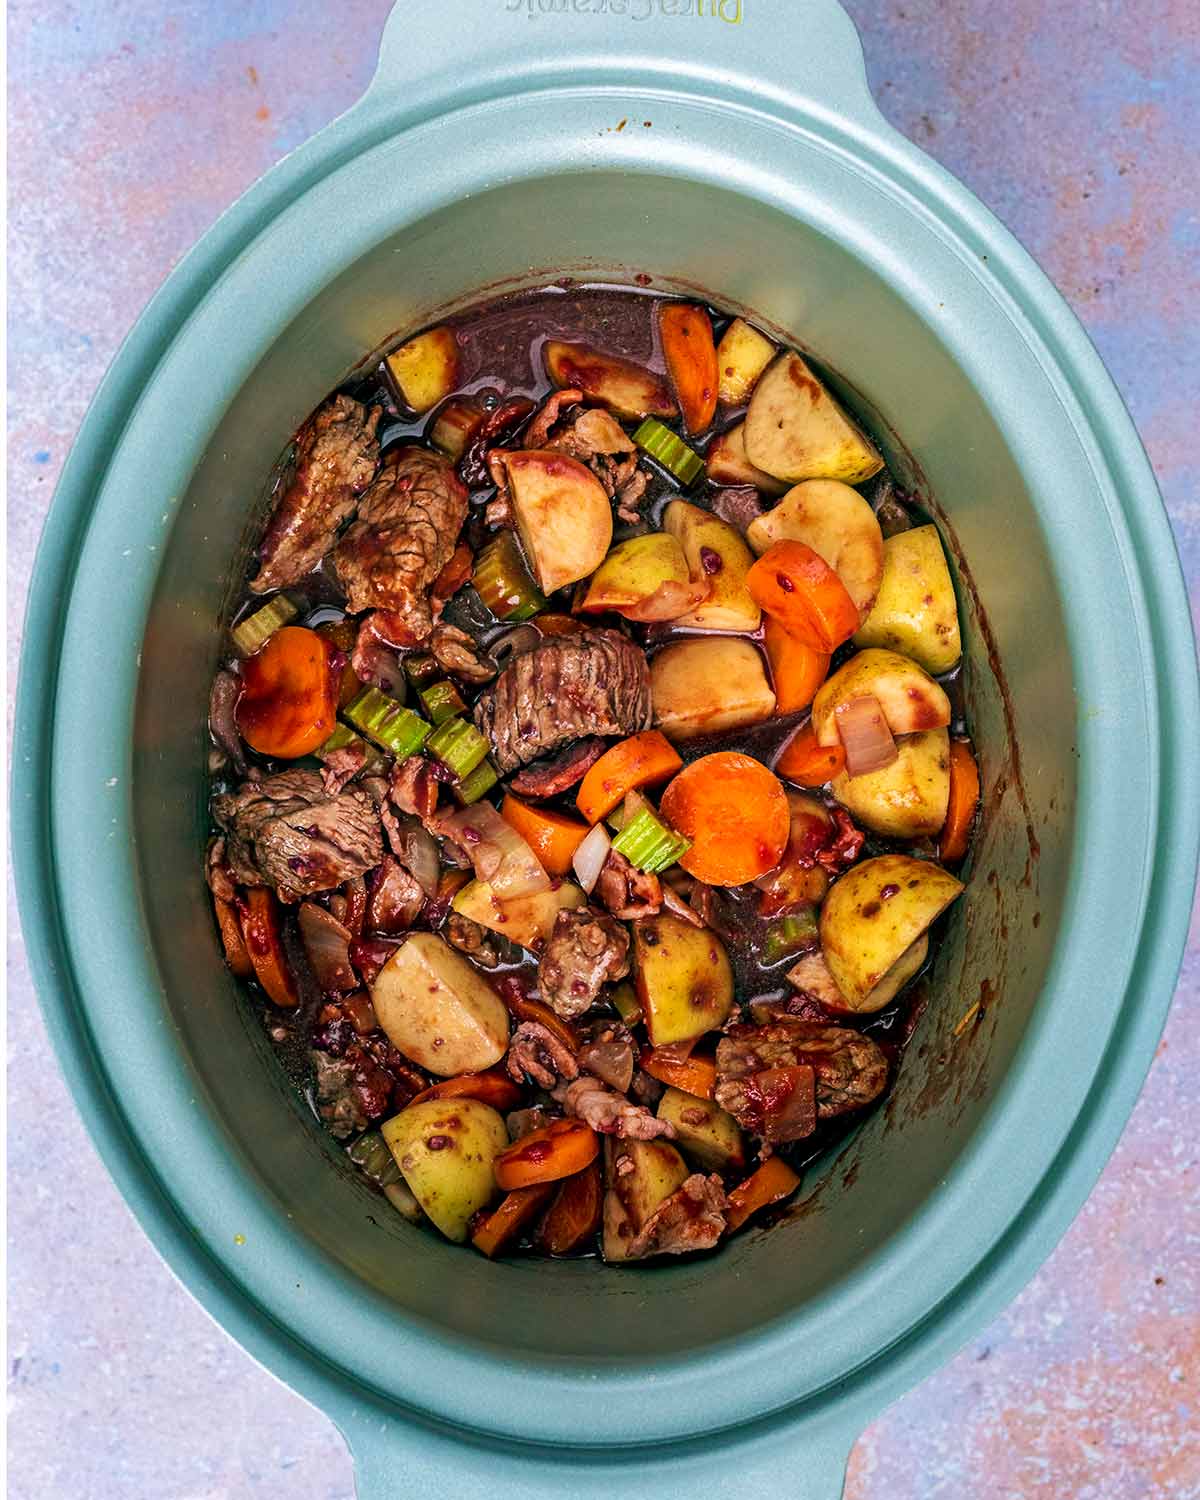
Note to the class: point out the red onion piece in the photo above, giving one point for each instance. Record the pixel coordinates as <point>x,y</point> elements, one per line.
<point>589,858</point>
<point>611,1062</point>
<point>327,945</point>
<point>865,736</point>
<point>497,851</point>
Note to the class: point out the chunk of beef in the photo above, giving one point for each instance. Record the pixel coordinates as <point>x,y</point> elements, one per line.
<point>472,939</point>
<point>395,899</point>
<point>536,1054</point>
<point>217,872</point>
<point>610,1113</point>
<point>222,723</point>
<point>458,654</point>
<point>759,1072</point>
<point>568,686</point>
<point>406,531</point>
<point>336,454</point>
<point>286,831</point>
<point>414,787</point>
<point>843,846</point>
<point>628,892</point>
<point>376,660</point>
<point>351,1090</point>
<point>340,767</point>
<point>739,505</point>
<point>558,774</point>
<point>692,1218</point>
<point>585,951</point>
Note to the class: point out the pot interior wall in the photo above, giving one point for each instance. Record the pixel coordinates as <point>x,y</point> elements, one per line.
<point>998,944</point>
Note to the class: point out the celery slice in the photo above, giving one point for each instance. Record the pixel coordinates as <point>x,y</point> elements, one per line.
<point>477,784</point>
<point>791,935</point>
<point>648,844</point>
<point>442,701</point>
<point>370,1152</point>
<point>341,739</point>
<point>680,461</point>
<point>253,633</point>
<point>458,745</point>
<point>503,582</point>
<point>396,728</point>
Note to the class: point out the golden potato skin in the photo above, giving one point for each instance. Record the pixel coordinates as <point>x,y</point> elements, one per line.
<point>727,463</point>
<point>445,1149</point>
<point>426,368</point>
<point>874,914</point>
<point>527,920</point>
<point>703,686</point>
<point>633,571</point>
<point>910,699</point>
<point>638,1176</point>
<point>438,1009</point>
<point>796,430</point>
<point>563,515</point>
<point>742,355</point>
<point>708,1135</point>
<point>684,978</point>
<point>907,799</point>
<point>915,611</point>
<point>730,606</point>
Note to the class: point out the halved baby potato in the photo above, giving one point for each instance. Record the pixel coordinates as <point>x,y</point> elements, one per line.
<point>527,921</point>
<point>639,1176</point>
<point>684,978</point>
<point>838,524</point>
<point>910,699</point>
<point>875,915</point>
<point>426,368</point>
<point>563,515</point>
<point>714,550</point>
<point>915,610</point>
<point>708,685</point>
<point>445,1149</point>
<point>625,388</point>
<point>907,799</point>
<point>742,355</point>
<point>706,1134</point>
<point>726,462</point>
<point>796,430</point>
<point>646,578</point>
<point>439,1010</point>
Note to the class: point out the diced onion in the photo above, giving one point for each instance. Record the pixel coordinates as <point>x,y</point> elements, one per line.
<point>327,946</point>
<point>590,857</point>
<point>497,851</point>
<point>417,852</point>
<point>865,736</point>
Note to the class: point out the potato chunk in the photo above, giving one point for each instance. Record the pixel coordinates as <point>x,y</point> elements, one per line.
<point>909,798</point>
<point>644,578</point>
<point>639,1176</point>
<point>742,355</point>
<point>915,610</point>
<point>727,463</point>
<point>706,1134</point>
<point>527,921</point>
<point>563,515</point>
<point>714,550</point>
<point>796,430</point>
<point>684,978</point>
<point>426,368</point>
<point>445,1149</point>
<point>438,1010</point>
<point>625,388</point>
<point>911,701</point>
<point>704,686</point>
<point>840,527</point>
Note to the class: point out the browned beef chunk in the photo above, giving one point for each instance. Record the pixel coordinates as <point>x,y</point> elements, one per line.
<point>286,831</point>
<point>376,661</point>
<point>586,950</point>
<point>336,454</point>
<point>760,1068</point>
<point>537,1055</point>
<point>406,531</point>
<point>610,1113</point>
<point>738,505</point>
<point>352,1090</point>
<point>569,686</point>
<point>628,892</point>
<point>339,767</point>
<point>549,778</point>
<point>395,899</point>
<point>217,872</point>
<point>692,1218</point>
<point>458,654</point>
<point>414,786</point>
<point>472,939</point>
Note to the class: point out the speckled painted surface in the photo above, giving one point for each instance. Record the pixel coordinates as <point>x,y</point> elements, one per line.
<point>132,125</point>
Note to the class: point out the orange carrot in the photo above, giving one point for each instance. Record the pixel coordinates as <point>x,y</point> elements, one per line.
<point>533,1010</point>
<point>504,1223</point>
<point>645,759</point>
<point>736,814</point>
<point>264,945</point>
<point>491,1087</point>
<point>694,1075</point>
<point>456,572</point>
<point>797,671</point>
<point>797,587</point>
<point>574,1216</point>
<point>773,1181</point>
<point>231,937</point>
<point>691,357</point>
<point>557,1150</point>
<point>809,764</point>
<point>552,836</point>
<point>289,696</point>
<point>964,799</point>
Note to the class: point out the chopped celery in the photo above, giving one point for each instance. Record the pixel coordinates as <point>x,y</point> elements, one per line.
<point>396,728</point>
<point>477,784</point>
<point>684,463</point>
<point>370,1152</point>
<point>421,670</point>
<point>458,745</point>
<point>442,701</point>
<point>649,844</point>
<point>791,935</point>
<point>626,1003</point>
<point>503,581</point>
<point>341,739</point>
<point>253,633</point>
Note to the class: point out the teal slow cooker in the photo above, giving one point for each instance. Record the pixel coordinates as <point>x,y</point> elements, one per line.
<point>731,146</point>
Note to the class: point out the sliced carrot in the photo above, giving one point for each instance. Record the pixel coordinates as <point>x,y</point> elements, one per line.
<point>964,799</point>
<point>694,1075</point>
<point>574,1216</point>
<point>490,1087</point>
<point>289,696</point>
<point>456,572</point>
<point>552,836</point>
<point>773,1182</point>
<point>504,1223</point>
<point>809,764</point>
<point>526,1009</point>
<point>559,624</point>
<point>645,759</point>
<point>691,356</point>
<point>797,670</point>
<point>796,586</point>
<point>736,814</point>
<point>263,933</point>
<point>557,1150</point>
<point>231,937</point>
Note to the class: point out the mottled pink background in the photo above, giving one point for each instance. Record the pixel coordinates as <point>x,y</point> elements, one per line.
<point>133,123</point>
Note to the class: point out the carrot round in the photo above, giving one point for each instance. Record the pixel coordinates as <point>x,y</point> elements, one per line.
<point>231,938</point>
<point>557,1150</point>
<point>736,814</point>
<point>964,799</point>
<point>491,1087</point>
<point>645,759</point>
<point>796,586</point>
<point>797,670</point>
<point>574,1216</point>
<point>526,1009</point>
<point>808,764</point>
<point>288,706</point>
<point>694,1075</point>
<point>552,836</point>
<point>773,1182</point>
<point>691,357</point>
<point>506,1221</point>
<point>263,935</point>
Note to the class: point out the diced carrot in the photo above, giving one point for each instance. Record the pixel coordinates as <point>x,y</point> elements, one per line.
<point>551,835</point>
<point>574,1216</point>
<point>263,935</point>
<point>694,1075</point>
<point>456,572</point>
<point>964,799</point>
<point>796,586</point>
<point>736,814</point>
<point>504,1223</point>
<point>231,937</point>
<point>289,696</point>
<point>490,1087</point>
<point>691,357</point>
<point>559,624</point>
<point>797,671</point>
<point>808,764</point>
<point>549,1154</point>
<point>646,759</point>
<point>771,1183</point>
<point>526,1009</point>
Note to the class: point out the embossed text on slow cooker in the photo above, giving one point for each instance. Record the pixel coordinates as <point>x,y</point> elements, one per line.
<point>729,11</point>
